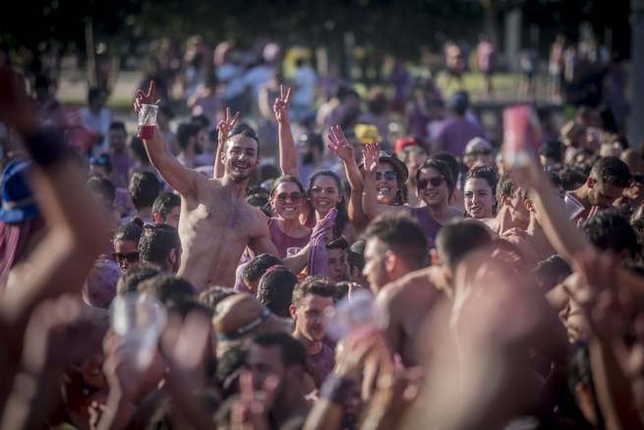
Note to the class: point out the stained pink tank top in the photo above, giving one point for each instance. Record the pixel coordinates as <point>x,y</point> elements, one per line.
<point>282,241</point>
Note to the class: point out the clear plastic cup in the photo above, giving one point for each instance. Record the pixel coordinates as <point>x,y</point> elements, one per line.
<point>139,320</point>
<point>352,315</point>
<point>147,121</point>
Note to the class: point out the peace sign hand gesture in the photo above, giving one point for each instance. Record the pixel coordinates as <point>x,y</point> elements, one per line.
<point>225,126</point>
<point>280,107</point>
<point>339,144</point>
<point>142,98</point>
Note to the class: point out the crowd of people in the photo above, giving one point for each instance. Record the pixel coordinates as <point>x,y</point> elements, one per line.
<point>317,267</point>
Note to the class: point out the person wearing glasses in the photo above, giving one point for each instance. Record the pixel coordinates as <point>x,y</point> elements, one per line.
<point>286,230</point>
<point>435,187</point>
<point>478,152</point>
<point>216,223</point>
<point>126,242</point>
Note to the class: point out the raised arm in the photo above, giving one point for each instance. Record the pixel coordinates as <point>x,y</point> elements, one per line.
<point>181,179</point>
<point>341,147</point>
<point>77,226</point>
<point>287,153</point>
<point>223,129</point>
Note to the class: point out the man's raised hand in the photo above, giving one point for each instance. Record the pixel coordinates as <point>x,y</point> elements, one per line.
<point>142,98</point>
<point>225,125</point>
<point>281,105</point>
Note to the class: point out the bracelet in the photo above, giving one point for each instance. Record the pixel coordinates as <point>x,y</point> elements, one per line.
<point>46,147</point>
<point>337,389</point>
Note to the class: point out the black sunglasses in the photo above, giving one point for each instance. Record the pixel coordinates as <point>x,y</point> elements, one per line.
<point>436,181</point>
<point>638,178</point>
<point>389,175</point>
<point>294,197</point>
<point>131,257</point>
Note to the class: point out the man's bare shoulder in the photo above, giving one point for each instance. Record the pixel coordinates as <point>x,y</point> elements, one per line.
<point>418,285</point>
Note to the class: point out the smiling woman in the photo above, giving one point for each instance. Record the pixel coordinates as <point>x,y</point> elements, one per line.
<point>480,189</point>
<point>285,227</point>
<point>325,193</point>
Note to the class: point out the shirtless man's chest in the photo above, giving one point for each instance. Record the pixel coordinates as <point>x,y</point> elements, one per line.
<point>215,228</point>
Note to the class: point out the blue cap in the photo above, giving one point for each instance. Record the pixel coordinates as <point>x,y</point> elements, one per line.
<point>18,202</point>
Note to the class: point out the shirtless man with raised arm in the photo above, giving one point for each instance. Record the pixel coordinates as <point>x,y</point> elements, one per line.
<point>216,223</point>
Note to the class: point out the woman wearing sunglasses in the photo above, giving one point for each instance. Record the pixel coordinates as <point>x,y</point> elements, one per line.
<point>286,230</point>
<point>435,184</point>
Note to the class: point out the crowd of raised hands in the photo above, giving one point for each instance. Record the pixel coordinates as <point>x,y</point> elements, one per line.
<point>492,351</point>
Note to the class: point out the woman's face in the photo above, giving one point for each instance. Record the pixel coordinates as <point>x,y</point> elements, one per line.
<point>287,201</point>
<point>386,184</point>
<point>479,199</point>
<point>125,253</point>
<point>324,194</point>
<point>432,187</point>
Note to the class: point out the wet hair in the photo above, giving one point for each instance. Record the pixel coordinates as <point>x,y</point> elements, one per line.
<point>550,272</point>
<point>571,177</point>
<point>131,231</point>
<point>275,290</point>
<point>552,149</point>
<point>102,187</point>
<point>355,255</point>
<point>638,228</point>
<point>338,243</point>
<point>164,203</point>
<point>157,242</point>
<point>292,350</point>
<point>505,187</point>
<point>442,168</point>
<point>258,266</point>
<point>229,367</point>
<point>166,287</point>
<point>452,162</point>
<point>312,286</point>
<point>488,173</point>
<point>402,234</point>
<point>609,231</point>
<point>118,125</point>
<point>134,275</point>
<point>342,219</point>
<point>286,178</point>
<point>138,149</point>
<point>613,171</point>
<point>211,296</point>
<point>185,131</point>
<point>243,130</point>
<point>144,188</point>
<point>313,140</point>
<point>201,121</point>
<point>260,201</point>
<point>458,238</point>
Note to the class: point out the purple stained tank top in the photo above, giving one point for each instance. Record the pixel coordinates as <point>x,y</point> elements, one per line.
<point>282,241</point>
<point>429,225</point>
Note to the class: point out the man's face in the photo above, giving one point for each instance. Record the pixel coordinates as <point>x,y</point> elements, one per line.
<point>263,362</point>
<point>337,264</point>
<point>241,158</point>
<point>310,317</point>
<point>603,194</point>
<point>519,214</point>
<point>386,184</point>
<point>374,268</point>
<point>173,216</point>
<point>118,139</point>
<point>432,187</point>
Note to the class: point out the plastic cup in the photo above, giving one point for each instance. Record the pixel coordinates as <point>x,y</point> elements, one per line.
<point>139,320</point>
<point>147,121</point>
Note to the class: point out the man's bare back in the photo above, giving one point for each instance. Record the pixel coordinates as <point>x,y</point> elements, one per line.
<point>409,302</point>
